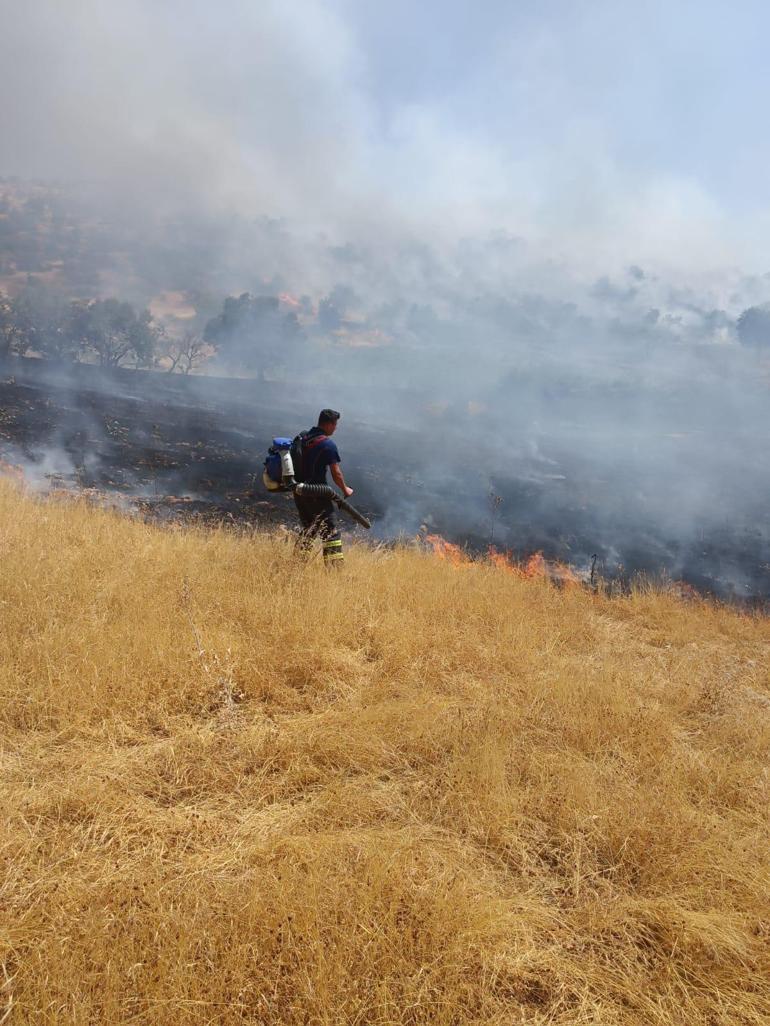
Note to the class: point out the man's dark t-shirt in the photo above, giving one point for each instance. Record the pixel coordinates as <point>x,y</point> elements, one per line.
<point>318,453</point>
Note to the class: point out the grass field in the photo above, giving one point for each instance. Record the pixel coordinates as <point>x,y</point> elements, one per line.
<point>238,789</point>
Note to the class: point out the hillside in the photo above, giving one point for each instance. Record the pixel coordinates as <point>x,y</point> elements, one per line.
<point>239,790</point>
<point>191,448</point>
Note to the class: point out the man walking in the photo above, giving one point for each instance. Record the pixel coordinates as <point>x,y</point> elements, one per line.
<point>316,514</point>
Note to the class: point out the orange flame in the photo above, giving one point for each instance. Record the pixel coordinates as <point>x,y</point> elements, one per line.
<point>500,561</point>
<point>552,570</point>
<point>534,567</point>
<point>563,574</point>
<point>447,551</point>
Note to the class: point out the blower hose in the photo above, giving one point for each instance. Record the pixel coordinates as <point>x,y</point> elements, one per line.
<point>316,491</point>
<point>322,491</point>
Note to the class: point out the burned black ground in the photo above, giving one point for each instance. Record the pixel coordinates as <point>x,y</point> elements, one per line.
<point>191,449</point>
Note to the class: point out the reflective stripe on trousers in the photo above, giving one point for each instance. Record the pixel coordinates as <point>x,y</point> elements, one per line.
<point>332,550</point>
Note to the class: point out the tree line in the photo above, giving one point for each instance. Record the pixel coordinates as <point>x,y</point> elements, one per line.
<point>105,331</point>
<point>250,334</point>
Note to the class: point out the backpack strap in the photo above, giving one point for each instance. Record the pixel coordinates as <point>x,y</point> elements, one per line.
<point>311,443</point>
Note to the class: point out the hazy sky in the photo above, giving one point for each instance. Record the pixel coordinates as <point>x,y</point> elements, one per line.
<point>606,131</point>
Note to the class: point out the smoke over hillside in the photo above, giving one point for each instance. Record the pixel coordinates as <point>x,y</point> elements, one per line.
<point>478,259</point>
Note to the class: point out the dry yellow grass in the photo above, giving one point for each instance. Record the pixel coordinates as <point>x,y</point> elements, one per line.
<point>401,794</point>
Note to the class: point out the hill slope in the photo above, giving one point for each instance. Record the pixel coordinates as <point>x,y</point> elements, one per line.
<point>237,789</point>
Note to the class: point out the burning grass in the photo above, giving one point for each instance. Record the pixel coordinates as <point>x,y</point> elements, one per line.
<point>534,567</point>
<point>238,789</point>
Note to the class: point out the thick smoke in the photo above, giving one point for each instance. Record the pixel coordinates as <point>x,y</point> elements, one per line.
<point>497,252</point>
<point>600,134</point>
<point>622,417</point>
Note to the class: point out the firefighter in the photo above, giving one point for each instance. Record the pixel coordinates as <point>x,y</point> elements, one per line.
<point>317,452</point>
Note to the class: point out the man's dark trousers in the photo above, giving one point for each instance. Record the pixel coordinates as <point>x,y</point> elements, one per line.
<point>316,514</point>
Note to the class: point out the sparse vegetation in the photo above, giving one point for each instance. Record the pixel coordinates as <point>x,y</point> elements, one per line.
<point>114,333</point>
<point>753,328</point>
<point>42,320</point>
<point>184,354</point>
<point>251,333</point>
<point>237,789</point>
<point>254,332</point>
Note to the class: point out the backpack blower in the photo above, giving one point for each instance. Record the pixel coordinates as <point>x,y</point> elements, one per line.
<point>278,476</point>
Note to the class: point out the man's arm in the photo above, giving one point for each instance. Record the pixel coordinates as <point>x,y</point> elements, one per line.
<point>339,480</point>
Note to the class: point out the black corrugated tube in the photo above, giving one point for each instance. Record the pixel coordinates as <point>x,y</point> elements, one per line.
<point>322,491</point>
<point>318,491</point>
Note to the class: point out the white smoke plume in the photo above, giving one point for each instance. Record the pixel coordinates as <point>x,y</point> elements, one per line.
<point>532,228</point>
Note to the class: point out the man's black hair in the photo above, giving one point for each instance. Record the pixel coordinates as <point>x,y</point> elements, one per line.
<point>328,417</point>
